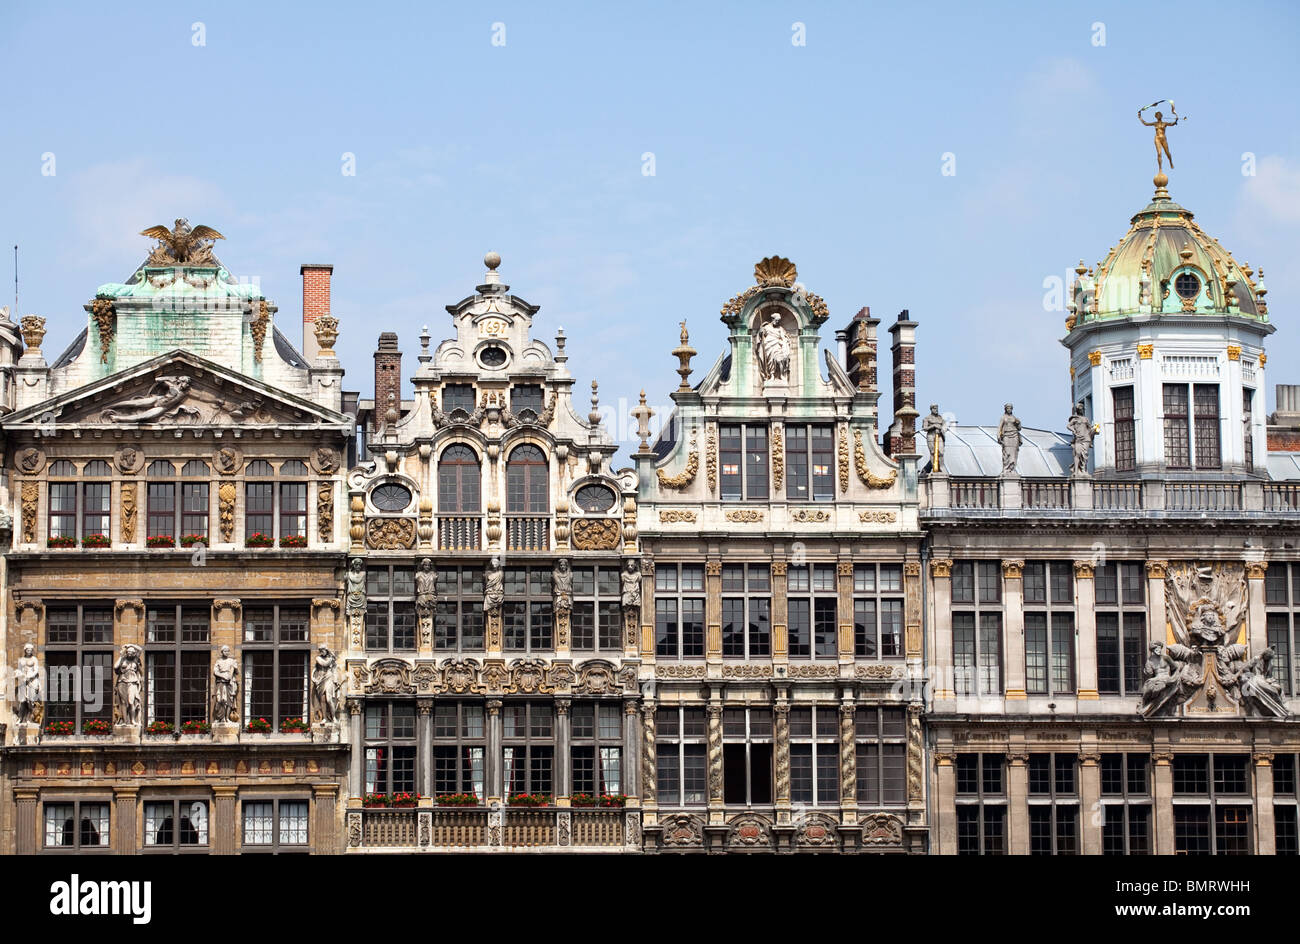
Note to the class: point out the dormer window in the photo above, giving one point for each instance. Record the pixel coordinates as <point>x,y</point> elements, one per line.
<point>458,397</point>
<point>1187,285</point>
<point>526,397</point>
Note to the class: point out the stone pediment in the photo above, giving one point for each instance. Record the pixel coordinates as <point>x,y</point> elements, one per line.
<point>176,390</point>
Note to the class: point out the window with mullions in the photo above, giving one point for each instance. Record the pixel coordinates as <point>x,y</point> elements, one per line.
<point>681,756</point>
<point>459,481</point>
<point>596,729</point>
<point>1049,627</point>
<point>177,508</point>
<point>742,452</point>
<point>878,611</point>
<point>679,611</point>
<point>746,611</point>
<point>390,608</point>
<point>526,618</point>
<point>809,463</point>
<point>1053,804</point>
<point>178,661</point>
<point>293,499</point>
<point>527,397</point>
<point>79,508</point>
<point>390,747</point>
<point>1285,825</point>
<point>813,601</point>
<point>1126,804</point>
<point>1121,627</point>
<point>1282,606</point>
<point>265,504</point>
<point>981,804</point>
<point>459,746</point>
<point>277,653</point>
<point>459,622</point>
<point>175,825</point>
<point>815,755</point>
<point>596,621</point>
<point>79,663</point>
<point>76,826</point>
<point>275,825</point>
<point>1191,425</point>
<point>1220,825</point>
<point>1125,438</point>
<point>457,396</point>
<point>527,483</point>
<point>977,627</point>
<point>881,744</point>
<point>747,756</point>
<point>528,747</point>
<point>1248,434</point>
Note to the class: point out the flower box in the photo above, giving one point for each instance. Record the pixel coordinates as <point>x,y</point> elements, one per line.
<point>530,799</point>
<point>61,542</point>
<point>373,801</point>
<point>161,540</point>
<point>293,540</point>
<point>259,726</point>
<point>606,800</point>
<point>196,727</point>
<point>96,728</point>
<point>189,540</point>
<point>59,727</point>
<point>258,539</point>
<point>294,726</point>
<point>403,800</point>
<point>96,540</point>
<point>159,727</point>
<point>457,799</point>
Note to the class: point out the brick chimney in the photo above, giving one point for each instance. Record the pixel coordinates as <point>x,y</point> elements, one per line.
<point>315,302</point>
<point>901,440</point>
<point>862,329</point>
<point>388,379</point>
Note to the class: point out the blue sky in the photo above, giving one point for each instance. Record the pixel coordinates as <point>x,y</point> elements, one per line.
<point>829,153</point>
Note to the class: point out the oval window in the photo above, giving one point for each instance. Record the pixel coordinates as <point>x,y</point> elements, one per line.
<point>390,497</point>
<point>594,498</point>
<point>1187,285</point>
<point>492,356</point>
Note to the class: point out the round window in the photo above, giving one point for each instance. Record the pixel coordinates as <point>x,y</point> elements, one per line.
<point>391,497</point>
<point>492,356</point>
<point>1187,285</point>
<point>594,498</point>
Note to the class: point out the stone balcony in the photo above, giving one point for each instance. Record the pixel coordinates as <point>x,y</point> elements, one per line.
<point>481,829</point>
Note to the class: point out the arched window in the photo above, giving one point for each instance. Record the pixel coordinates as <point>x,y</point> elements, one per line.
<point>458,481</point>
<point>527,488</point>
<point>161,502</point>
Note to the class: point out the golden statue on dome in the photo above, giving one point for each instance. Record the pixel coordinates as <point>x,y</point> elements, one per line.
<point>1162,142</point>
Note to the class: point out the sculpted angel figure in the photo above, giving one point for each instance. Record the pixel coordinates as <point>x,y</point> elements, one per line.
<point>165,394</point>
<point>773,349</point>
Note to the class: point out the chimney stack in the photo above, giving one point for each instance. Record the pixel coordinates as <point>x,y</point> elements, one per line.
<point>902,434</point>
<point>315,303</point>
<point>862,368</point>
<point>388,379</point>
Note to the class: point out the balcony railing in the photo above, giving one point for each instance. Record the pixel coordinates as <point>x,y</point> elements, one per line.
<point>1117,496</point>
<point>461,828</point>
<point>974,493</point>
<point>1281,496</point>
<point>459,532</point>
<point>1202,496</point>
<point>389,828</point>
<point>528,532</point>
<point>1046,493</point>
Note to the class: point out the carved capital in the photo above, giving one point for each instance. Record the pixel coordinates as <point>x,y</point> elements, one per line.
<point>1162,758</point>
<point>944,759</point>
<point>326,603</point>
<point>236,607</point>
<point>1263,758</point>
<point>713,568</point>
<point>1083,569</point>
<point>1018,759</point>
<point>941,567</point>
<point>780,568</point>
<point>1089,758</point>
<point>1157,568</point>
<point>122,606</point>
<point>1255,569</point>
<point>911,568</point>
<point>1013,569</point>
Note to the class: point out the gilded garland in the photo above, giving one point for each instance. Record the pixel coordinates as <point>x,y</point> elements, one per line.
<point>105,320</point>
<point>860,462</point>
<point>711,459</point>
<point>844,463</point>
<point>778,459</point>
<point>687,475</point>
<point>257,328</point>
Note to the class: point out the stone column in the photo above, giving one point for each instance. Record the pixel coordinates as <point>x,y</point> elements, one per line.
<point>563,739</point>
<point>912,611</point>
<point>1157,618</point>
<point>941,625</point>
<point>125,820</point>
<point>1013,620</point>
<point>356,772</point>
<point>715,758</point>
<point>1266,843</point>
<point>424,746</point>
<point>647,614</point>
<point>780,613</point>
<point>225,826</point>
<point>781,754</point>
<point>325,819</point>
<point>1090,810</point>
<point>1257,617</point>
<point>631,781</point>
<point>26,825</point>
<point>945,804</point>
<point>849,760</point>
<point>129,624</point>
<point>1018,803</point>
<point>1162,797</point>
<point>713,610</point>
<point>649,759</point>
<point>1085,623</point>
<point>844,586</point>
<point>492,773</point>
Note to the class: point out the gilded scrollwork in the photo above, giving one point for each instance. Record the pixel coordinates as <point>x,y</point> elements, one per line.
<point>711,459</point>
<point>869,478</point>
<point>778,458</point>
<point>390,534</point>
<point>687,475</point>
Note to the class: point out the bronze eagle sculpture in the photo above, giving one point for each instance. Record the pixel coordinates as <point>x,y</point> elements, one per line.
<point>182,244</point>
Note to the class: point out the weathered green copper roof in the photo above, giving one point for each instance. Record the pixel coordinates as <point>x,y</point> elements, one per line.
<point>181,282</point>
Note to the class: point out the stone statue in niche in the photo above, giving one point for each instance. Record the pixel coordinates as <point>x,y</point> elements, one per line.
<point>1009,437</point>
<point>426,588</point>
<point>30,707</point>
<point>225,687</point>
<point>325,687</point>
<point>631,585</point>
<point>355,589</point>
<point>936,429</point>
<point>494,587</point>
<point>126,690</point>
<point>1082,430</point>
<point>562,586</point>
<point>773,350</point>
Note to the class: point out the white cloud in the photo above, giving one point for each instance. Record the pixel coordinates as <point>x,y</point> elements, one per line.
<point>1274,191</point>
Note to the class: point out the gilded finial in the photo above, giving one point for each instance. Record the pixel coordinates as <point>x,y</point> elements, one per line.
<point>684,352</point>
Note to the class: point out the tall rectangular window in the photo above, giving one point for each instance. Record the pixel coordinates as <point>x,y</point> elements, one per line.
<point>1178,453</point>
<point>746,611</point>
<point>881,744</point>
<point>1192,426</point>
<point>977,627</point>
<point>596,751</point>
<point>1053,804</point>
<point>681,756</point>
<point>526,619</point>
<point>1282,608</point>
<point>1126,804</point>
<point>810,463</point>
<point>1205,401</point>
<point>79,663</point>
<point>177,663</point>
<point>679,611</point>
<point>597,618</point>
<point>878,611</point>
<point>742,453</point>
<point>981,804</point>
<point>390,608</point>
<point>1049,627</point>
<point>528,754</point>
<point>747,756</point>
<point>1125,436</point>
<point>814,755</point>
<point>1212,807</point>
<point>459,742</point>
<point>812,601</point>
<point>458,621</point>
<point>1121,627</point>
<point>277,654</point>
<point>390,747</point>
